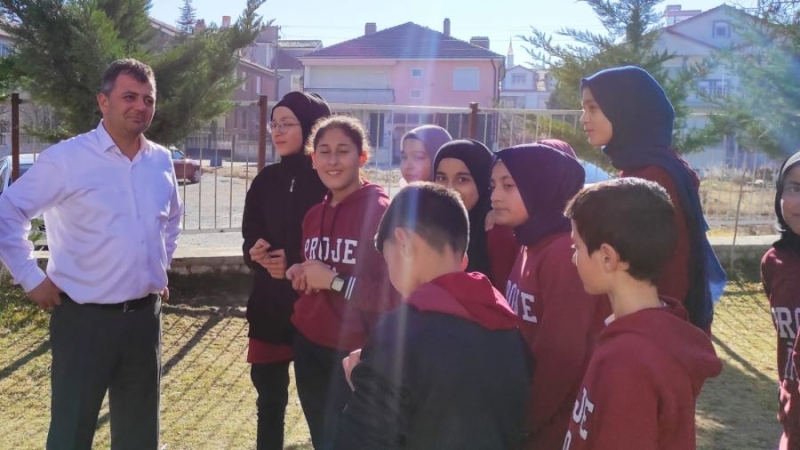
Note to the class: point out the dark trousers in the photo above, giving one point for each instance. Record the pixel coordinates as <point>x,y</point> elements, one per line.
<point>94,350</point>
<point>322,388</point>
<point>272,384</point>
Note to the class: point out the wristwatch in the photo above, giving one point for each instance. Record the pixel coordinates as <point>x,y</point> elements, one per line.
<point>337,285</point>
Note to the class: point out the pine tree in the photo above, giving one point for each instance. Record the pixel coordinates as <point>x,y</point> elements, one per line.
<point>188,17</point>
<point>63,47</point>
<point>631,31</point>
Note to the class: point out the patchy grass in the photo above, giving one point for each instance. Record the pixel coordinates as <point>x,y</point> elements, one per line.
<point>208,401</point>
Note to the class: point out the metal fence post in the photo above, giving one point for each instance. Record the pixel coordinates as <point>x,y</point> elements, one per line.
<point>472,123</point>
<point>15,102</point>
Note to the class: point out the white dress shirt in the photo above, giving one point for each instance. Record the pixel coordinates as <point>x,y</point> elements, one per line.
<point>112,223</point>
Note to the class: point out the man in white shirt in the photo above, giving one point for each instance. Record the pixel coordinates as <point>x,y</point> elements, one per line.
<point>112,211</point>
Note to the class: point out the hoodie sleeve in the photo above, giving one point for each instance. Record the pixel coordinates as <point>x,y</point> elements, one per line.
<point>378,410</point>
<point>253,227</point>
<point>767,264</point>
<point>561,346</point>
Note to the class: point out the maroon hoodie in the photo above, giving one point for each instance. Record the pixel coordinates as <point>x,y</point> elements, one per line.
<point>446,370</point>
<point>780,274</point>
<point>342,237</point>
<point>642,383</point>
<point>560,322</point>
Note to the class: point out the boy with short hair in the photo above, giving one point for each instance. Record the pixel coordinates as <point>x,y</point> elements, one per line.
<point>650,363</point>
<point>448,369</point>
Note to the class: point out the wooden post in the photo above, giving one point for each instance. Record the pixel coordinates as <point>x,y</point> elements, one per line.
<point>262,131</point>
<point>15,102</point>
<point>472,123</point>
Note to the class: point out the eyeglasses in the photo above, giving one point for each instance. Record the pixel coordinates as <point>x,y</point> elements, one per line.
<point>273,127</point>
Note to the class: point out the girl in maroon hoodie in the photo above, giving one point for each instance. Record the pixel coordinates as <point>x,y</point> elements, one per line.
<point>344,284</point>
<point>465,165</point>
<point>560,321</point>
<point>628,114</point>
<point>649,365</point>
<point>780,273</point>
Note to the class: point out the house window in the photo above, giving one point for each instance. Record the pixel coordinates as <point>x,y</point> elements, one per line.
<point>258,85</point>
<point>721,29</point>
<point>242,80</point>
<point>244,119</point>
<point>466,79</point>
<point>5,50</point>
<point>415,93</point>
<point>416,73</point>
<point>714,88</point>
<point>518,78</point>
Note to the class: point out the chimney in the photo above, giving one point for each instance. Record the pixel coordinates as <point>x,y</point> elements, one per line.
<point>226,21</point>
<point>200,26</point>
<point>480,41</point>
<point>370,28</point>
<point>446,28</point>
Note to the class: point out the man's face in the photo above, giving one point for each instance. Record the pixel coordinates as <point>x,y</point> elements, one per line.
<point>128,109</point>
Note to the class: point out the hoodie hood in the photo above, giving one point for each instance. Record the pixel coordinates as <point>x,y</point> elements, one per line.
<point>546,178</point>
<point>669,330</point>
<point>431,136</point>
<point>635,104</point>
<point>468,295</point>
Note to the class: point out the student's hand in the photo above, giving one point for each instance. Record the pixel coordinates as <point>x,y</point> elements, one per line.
<point>165,294</point>
<point>297,275</point>
<point>46,294</point>
<point>348,363</point>
<point>318,275</point>
<point>258,252</point>
<point>491,217</point>
<point>275,263</point>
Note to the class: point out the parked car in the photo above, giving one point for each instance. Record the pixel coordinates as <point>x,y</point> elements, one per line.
<point>25,163</point>
<point>594,174</point>
<point>187,170</point>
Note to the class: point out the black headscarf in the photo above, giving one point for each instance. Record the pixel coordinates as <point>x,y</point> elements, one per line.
<point>789,240</point>
<point>308,108</point>
<point>546,178</point>
<point>478,159</point>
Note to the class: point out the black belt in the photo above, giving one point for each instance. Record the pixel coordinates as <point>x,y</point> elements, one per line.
<point>126,306</point>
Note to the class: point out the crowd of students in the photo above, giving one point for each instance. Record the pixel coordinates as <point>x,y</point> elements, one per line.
<point>495,302</point>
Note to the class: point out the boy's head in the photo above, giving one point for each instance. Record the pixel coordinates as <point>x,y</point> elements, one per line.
<point>423,234</point>
<point>625,225</point>
<point>624,106</point>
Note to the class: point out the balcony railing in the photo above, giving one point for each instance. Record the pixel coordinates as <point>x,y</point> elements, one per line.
<point>355,95</point>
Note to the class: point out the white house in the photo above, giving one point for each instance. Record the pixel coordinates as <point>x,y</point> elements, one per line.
<point>523,87</point>
<point>694,36</point>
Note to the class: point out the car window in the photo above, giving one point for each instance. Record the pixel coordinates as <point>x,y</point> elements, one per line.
<point>176,154</point>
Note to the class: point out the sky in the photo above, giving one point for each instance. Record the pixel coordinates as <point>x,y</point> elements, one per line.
<point>501,20</point>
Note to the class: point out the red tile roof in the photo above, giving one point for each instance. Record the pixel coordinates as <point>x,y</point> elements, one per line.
<point>406,41</point>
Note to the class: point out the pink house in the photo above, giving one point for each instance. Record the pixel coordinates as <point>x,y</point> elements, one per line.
<point>406,65</point>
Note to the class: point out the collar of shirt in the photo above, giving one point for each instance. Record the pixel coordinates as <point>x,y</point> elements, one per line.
<point>107,143</point>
